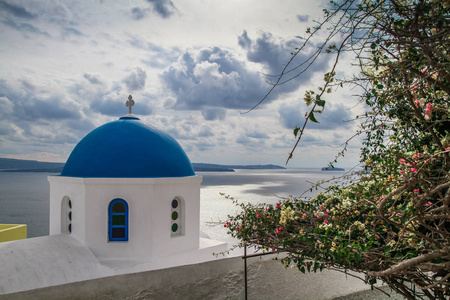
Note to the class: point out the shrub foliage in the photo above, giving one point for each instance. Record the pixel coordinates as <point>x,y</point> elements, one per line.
<point>390,221</point>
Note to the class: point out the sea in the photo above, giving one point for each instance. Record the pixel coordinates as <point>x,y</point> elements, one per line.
<point>24,196</point>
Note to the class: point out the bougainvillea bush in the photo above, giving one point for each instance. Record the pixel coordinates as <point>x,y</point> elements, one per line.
<point>390,221</point>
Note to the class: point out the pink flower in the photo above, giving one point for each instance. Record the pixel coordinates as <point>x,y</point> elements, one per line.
<point>281,228</point>
<point>428,110</point>
<point>257,216</point>
<point>321,207</point>
<point>402,172</point>
<point>402,161</point>
<point>268,217</point>
<point>278,205</point>
<point>304,215</point>
<point>278,231</point>
<point>325,221</point>
<point>417,155</point>
<point>428,203</point>
<point>224,225</point>
<point>416,190</point>
<point>413,169</point>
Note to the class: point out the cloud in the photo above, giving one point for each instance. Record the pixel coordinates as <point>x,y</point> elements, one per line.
<point>29,105</point>
<point>7,107</point>
<point>205,131</point>
<point>217,77</point>
<point>138,13</point>
<point>303,18</point>
<point>211,114</point>
<point>92,78</point>
<point>136,80</point>
<point>155,55</point>
<point>274,53</point>
<point>70,31</point>
<point>257,135</point>
<point>24,27</point>
<point>112,105</point>
<point>213,78</point>
<point>16,10</point>
<point>333,117</point>
<point>163,8</point>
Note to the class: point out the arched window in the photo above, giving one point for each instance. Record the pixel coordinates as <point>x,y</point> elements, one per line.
<point>177,217</point>
<point>66,215</point>
<point>118,220</point>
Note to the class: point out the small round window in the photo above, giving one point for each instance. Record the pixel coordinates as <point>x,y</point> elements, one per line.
<point>176,217</point>
<point>174,203</point>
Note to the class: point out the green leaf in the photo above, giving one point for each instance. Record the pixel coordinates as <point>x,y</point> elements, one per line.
<point>312,117</point>
<point>296,129</point>
<point>320,102</point>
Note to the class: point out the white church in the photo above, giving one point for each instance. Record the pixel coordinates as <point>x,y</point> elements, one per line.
<point>127,200</point>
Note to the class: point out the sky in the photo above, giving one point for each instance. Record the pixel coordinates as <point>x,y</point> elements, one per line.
<point>193,68</point>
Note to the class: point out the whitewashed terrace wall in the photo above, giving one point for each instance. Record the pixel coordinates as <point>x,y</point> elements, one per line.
<point>220,279</point>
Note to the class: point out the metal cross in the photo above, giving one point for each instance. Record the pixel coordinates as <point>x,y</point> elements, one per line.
<point>130,103</point>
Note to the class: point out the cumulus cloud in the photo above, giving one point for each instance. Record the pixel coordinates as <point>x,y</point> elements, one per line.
<point>218,77</point>
<point>135,80</point>
<point>37,119</point>
<point>273,53</point>
<point>213,77</point>
<point>211,114</point>
<point>163,8</point>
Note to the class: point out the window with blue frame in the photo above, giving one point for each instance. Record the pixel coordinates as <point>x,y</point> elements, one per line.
<point>118,220</point>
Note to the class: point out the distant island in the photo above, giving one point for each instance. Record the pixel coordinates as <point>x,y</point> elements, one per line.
<point>22,165</point>
<point>332,169</point>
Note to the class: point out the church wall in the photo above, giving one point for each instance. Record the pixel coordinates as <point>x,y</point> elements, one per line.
<point>149,202</point>
<point>189,239</point>
<point>73,188</point>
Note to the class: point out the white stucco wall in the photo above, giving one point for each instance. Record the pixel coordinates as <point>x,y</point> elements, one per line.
<point>149,201</point>
<point>46,261</point>
<point>219,279</point>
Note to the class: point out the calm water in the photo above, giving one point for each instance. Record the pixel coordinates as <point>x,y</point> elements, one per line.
<point>24,197</point>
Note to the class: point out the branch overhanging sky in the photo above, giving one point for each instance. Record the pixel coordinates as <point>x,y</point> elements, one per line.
<point>192,67</point>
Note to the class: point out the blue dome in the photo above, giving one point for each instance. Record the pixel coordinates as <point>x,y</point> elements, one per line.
<point>127,148</point>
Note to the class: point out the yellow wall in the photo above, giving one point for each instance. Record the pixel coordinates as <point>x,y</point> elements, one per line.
<point>11,232</point>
